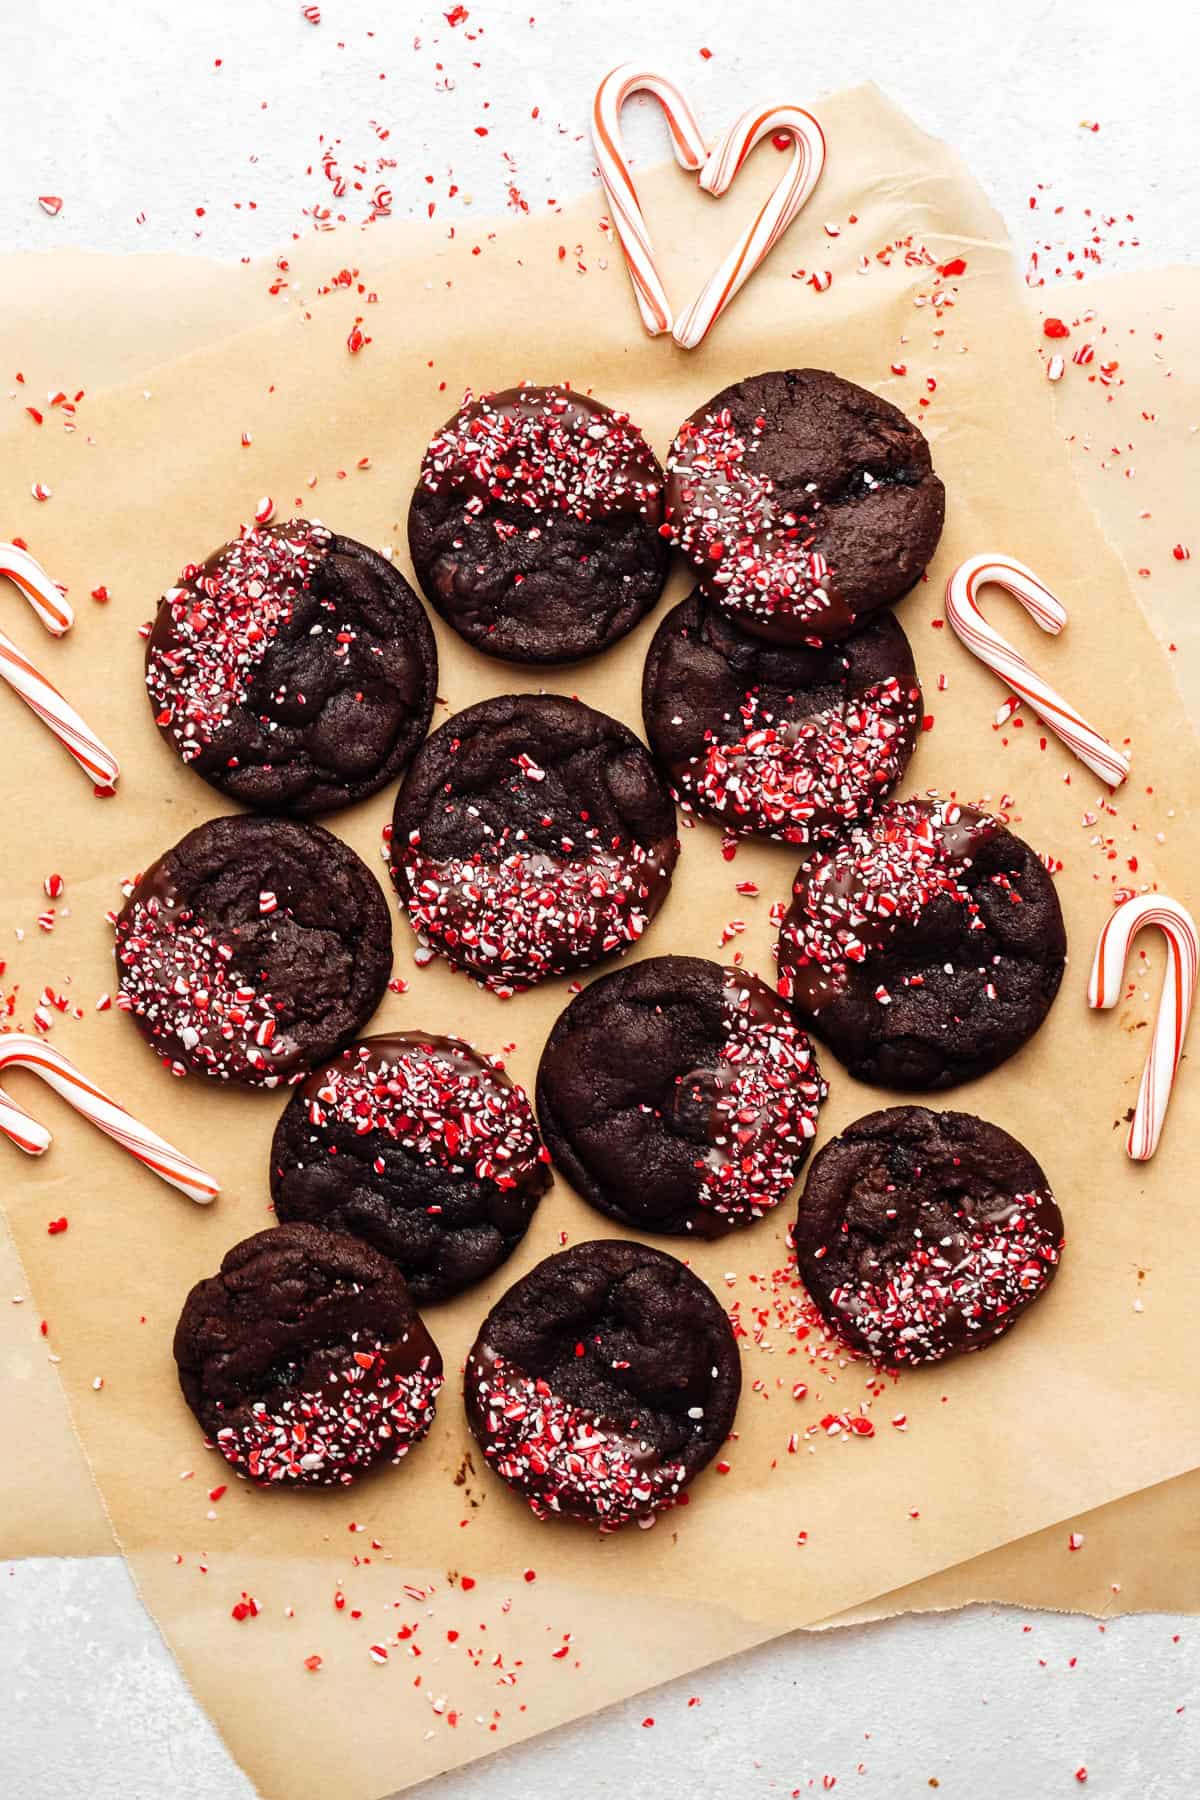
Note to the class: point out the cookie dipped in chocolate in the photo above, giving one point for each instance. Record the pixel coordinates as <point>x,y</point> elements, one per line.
<point>305,1360</point>
<point>252,948</point>
<point>603,1382</point>
<point>532,837</point>
<point>922,1235</point>
<point>924,947</point>
<point>294,670</point>
<point>804,502</point>
<point>779,741</point>
<point>421,1147</point>
<point>679,1096</point>
<point>535,527</point>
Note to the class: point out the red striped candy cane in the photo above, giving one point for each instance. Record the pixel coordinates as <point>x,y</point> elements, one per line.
<point>93,756</point>
<point>52,607</point>
<point>1174,1007</point>
<point>19,1050</point>
<point>1046,610</point>
<point>791,192</point>
<point>623,203</point>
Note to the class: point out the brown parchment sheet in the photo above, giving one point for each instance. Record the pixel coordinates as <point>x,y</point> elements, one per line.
<point>1085,1404</point>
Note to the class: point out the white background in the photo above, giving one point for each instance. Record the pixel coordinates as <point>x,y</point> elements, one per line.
<point>119,109</point>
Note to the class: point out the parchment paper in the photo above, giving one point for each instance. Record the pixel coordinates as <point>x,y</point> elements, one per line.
<point>1084,1404</point>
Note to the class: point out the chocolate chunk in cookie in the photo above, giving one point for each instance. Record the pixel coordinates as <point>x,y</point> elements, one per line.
<point>922,1234</point>
<point>419,1146</point>
<point>253,949</point>
<point>924,947</point>
<point>679,1096</point>
<point>535,528</point>
<point>532,837</point>
<point>294,670</point>
<point>603,1382</point>
<point>804,502</point>
<point>305,1360</point>
<point>779,741</point>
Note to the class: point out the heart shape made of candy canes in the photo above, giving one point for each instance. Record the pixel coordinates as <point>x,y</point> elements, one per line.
<point>718,168</point>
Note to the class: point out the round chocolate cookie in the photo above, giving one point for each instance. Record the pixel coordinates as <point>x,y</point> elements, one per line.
<point>535,525</point>
<point>679,1096</point>
<point>305,1359</point>
<point>603,1382</point>
<point>805,503</point>
<point>532,837</point>
<point>294,670</point>
<point>922,1234</point>
<point>924,947</point>
<point>252,949</point>
<point>779,741</point>
<point>421,1147</point>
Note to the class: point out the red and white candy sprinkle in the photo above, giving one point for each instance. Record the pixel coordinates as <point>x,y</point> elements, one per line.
<point>780,774</point>
<point>565,1460</point>
<point>362,1413</point>
<point>223,617</point>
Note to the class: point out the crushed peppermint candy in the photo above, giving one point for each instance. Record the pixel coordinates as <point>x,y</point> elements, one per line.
<point>514,917</point>
<point>793,780</point>
<point>545,451</point>
<point>216,626</point>
<point>367,1411</point>
<point>180,978</point>
<point>438,1100</point>
<point>764,1111</point>
<point>760,559</point>
<point>883,873</point>
<point>972,1280</point>
<point>564,1459</point>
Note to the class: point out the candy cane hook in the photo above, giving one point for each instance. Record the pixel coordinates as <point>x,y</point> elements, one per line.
<point>628,219</point>
<point>94,757</point>
<point>760,238</point>
<point>1174,1008</point>
<point>19,1050</point>
<point>1046,610</point>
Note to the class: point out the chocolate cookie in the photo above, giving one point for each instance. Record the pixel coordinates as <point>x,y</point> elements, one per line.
<point>922,1234</point>
<point>535,528</point>
<point>252,949</point>
<point>603,1382</point>
<point>679,1096</point>
<point>779,741</point>
<point>804,502</point>
<point>294,670</point>
<point>531,837</point>
<point>421,1147</point>
<point>925,947</point>
<point>305,1359</point>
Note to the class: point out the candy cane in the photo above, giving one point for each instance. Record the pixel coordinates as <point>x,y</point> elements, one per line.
<point>627,216</point>
<point>790,194</point>
<point>19,1050</point>
<point>1174,1008</point>
<point>93,756</point>
<point>1047,611</point>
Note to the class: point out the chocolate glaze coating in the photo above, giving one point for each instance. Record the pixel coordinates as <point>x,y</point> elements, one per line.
<point>793,465</point>
<point>925,947</point>
<point>305,1359</point>
<point>253,948</point>
<point>532,836</point>
<point>788,742</point>
<point>679,1096</point>
<point>534,528</point>
<point>419,1146</point>
<point>630,1374</point>
<point>922,1234</point>
<point>294,670</point>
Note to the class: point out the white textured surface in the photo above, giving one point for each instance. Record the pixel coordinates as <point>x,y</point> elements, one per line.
<point>117,107</point>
